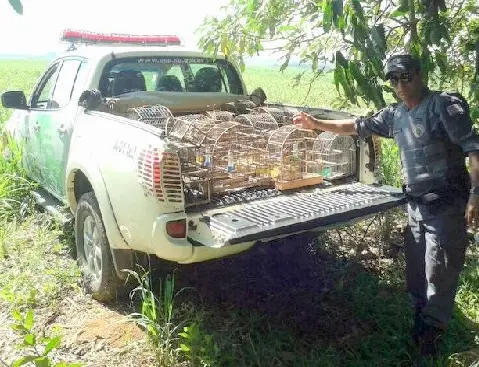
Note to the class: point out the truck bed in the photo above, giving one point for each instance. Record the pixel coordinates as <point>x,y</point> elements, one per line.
<point>253,201</point>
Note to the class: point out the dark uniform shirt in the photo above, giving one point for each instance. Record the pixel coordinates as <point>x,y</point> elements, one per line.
<point>449,117</point>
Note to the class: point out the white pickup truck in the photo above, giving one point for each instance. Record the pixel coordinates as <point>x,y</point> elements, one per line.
<point>160,150</point>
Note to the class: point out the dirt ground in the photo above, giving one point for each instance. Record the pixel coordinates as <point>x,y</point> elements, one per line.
<point>97,335</point>
<point>93,334</point>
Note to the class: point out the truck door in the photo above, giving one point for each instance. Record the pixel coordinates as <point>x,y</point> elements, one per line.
<point>31,125</point>
<point>53,120</point>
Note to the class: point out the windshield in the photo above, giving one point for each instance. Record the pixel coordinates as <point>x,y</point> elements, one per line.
<point>172,74</point>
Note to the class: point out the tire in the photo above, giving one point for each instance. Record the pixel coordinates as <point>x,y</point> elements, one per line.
<point>93,251</point>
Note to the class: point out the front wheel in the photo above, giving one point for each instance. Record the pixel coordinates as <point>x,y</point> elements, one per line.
<point>93,251</point>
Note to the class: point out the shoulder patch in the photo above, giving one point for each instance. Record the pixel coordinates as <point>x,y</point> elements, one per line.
<point>454,109</point>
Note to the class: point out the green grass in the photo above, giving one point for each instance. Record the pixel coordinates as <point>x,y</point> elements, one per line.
<point>14,75</point>
<point>337,302</point>
<point>35,266</point>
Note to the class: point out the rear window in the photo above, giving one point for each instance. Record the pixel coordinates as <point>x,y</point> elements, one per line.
<point>172,74</point>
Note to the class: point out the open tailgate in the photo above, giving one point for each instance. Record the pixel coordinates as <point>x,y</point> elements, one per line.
<point>301,211</point>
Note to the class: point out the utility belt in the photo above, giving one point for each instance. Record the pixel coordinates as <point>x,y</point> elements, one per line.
<point>447,192</point>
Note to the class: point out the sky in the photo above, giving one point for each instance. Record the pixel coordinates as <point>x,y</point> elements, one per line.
<point>37,31</point>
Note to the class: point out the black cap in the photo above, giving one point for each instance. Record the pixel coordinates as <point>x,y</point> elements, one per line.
<point>401,64</point>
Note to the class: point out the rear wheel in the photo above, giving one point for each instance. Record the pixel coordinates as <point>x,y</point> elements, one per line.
<point>93,251</point>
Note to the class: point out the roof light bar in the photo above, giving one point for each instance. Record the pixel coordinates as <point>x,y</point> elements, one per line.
<point>76,36</point>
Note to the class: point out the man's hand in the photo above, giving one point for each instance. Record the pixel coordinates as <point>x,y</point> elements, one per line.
<point>472,211</point>
<point>341,127</point>
<point>305,121</point>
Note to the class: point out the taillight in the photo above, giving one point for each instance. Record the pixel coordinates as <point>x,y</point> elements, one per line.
<point>160,175</point>
<point>176,228</point>
<point>149,171</point>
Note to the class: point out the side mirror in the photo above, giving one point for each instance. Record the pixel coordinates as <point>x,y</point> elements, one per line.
<point>258,96</point>
<point>14,99</point>
<point>90,99</point>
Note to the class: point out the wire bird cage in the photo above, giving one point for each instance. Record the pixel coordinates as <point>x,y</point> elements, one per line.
<point>337,154</point>
<point>195,176</point>
<point>190,133</point>
<point>237,158</point>
<point>157,115</point>
<point>283,115</point>
<point>218,157</point>
<point>191,129</point>
<point>291,156</point>
<point>259,121</point>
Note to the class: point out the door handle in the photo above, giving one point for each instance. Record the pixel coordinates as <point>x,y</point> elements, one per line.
<point>62,130</point>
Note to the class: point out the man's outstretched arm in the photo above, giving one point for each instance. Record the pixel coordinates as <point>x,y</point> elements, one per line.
<point>379,124</point>
<point>340,127</point>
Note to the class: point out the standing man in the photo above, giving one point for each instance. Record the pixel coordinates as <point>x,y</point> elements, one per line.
<point>434,134</point>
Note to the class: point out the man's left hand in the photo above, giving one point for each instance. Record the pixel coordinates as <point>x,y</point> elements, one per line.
<point>472,211</point>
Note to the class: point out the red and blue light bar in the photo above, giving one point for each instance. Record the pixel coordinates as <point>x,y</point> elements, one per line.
<point>76,36</point>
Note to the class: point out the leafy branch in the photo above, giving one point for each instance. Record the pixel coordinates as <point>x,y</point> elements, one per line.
<point>38,348</point>
<point>365,34</point>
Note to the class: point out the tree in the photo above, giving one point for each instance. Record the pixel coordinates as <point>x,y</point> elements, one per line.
<point>17,6</point>
<point>359,35</point>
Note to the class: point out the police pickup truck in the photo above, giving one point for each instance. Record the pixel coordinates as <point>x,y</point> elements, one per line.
<point>155,149</point>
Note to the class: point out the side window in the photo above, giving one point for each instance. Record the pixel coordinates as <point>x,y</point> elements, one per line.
<point>42,95</point>
<point>64,85</point>
<point>79,82</point>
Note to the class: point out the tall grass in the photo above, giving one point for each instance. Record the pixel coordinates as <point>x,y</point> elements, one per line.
<point>14,185</point>
<point>156,314</point>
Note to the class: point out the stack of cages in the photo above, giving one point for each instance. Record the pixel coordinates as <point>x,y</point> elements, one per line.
<point>337,154</point>
<point>293,164</point>
<point>218,156</point>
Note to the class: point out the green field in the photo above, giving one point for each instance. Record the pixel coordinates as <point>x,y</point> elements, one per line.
<point>336,301</point>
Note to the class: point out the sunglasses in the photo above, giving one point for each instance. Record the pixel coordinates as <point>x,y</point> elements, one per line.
<point>404,78</point>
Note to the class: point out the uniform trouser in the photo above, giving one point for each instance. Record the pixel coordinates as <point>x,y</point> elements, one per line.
<point>435,254</point>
